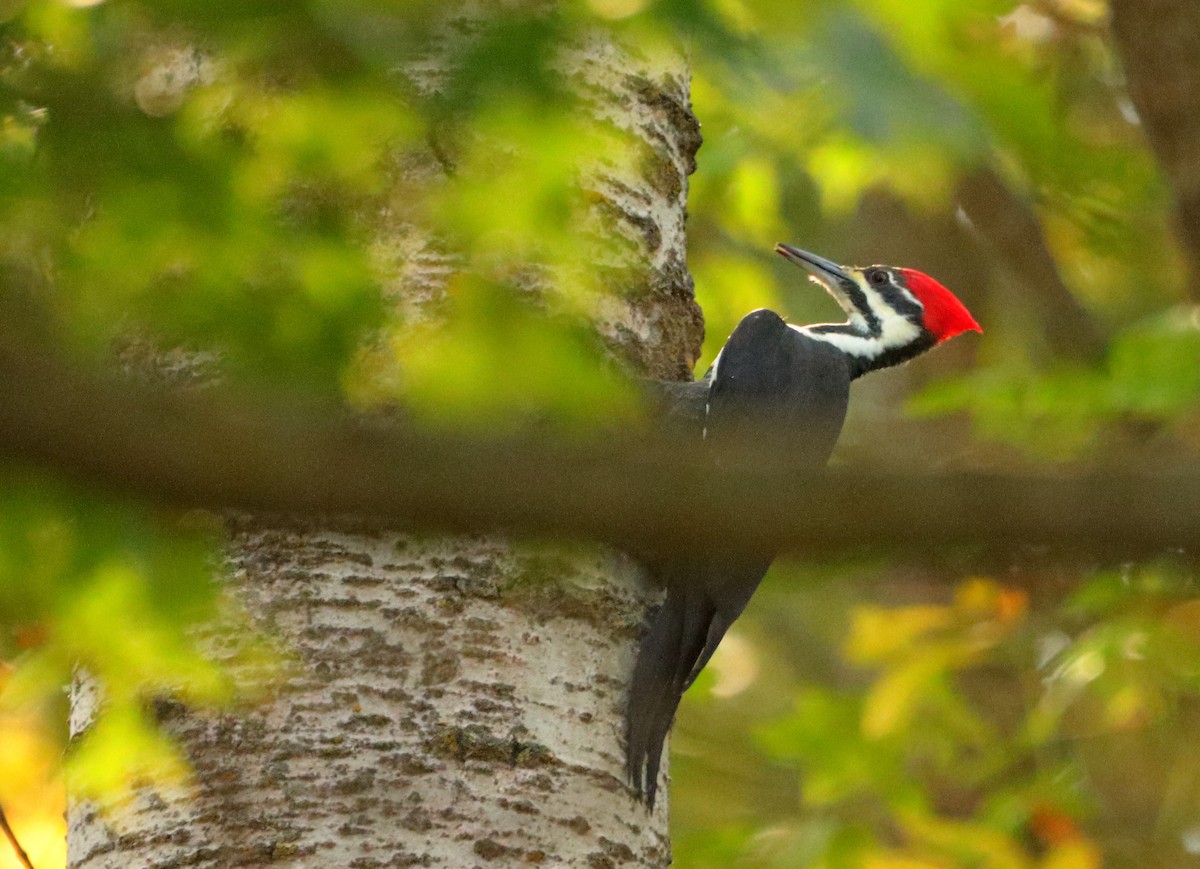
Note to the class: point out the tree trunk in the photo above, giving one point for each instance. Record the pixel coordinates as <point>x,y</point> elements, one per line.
<point>452,702</point>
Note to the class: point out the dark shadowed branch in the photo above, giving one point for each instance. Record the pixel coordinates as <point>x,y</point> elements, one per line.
<point>1159,42</point>
<point>22,857</point>
<point>1003,234</point>
<point>647,492</point>
<point>1009,228</point>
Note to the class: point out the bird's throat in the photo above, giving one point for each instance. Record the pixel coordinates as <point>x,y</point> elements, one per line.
<point>872,349</point>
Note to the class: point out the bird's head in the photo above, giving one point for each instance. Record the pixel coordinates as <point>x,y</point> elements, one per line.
<point>894,313</point>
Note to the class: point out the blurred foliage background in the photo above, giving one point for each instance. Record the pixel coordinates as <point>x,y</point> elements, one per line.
<point>209,176</point>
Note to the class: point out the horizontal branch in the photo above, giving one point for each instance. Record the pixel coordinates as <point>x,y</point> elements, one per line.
<point>657,492</point>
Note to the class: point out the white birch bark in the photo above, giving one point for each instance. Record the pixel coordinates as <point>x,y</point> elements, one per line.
<point>453,702</point>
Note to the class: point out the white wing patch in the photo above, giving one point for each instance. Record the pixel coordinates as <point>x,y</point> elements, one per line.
<point>852,345</point>
<point>712,378</point>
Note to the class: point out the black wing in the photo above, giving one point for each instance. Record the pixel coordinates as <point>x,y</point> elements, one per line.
<point>769,378</point>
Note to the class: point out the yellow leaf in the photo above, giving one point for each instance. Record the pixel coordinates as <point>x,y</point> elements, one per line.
<point>1079,853</point>
<point>897,860</point>
<point>877,634</point>
<point>893,699</point>
<point>972,843</point>
<point>980,598</point>
<point>977,595</point>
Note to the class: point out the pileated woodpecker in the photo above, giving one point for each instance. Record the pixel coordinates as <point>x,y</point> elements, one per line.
<point>795,382</point>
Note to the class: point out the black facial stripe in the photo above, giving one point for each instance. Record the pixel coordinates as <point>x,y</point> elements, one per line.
<point>897,355</point>
<point>859,299</point>
<point>892,295</point>
<point>902,298</point>
<point>901,303</point>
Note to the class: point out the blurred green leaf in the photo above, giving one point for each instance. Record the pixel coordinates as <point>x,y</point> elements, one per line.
<point>244,180</point>
<point>464,370</point>
<point>86,583</point>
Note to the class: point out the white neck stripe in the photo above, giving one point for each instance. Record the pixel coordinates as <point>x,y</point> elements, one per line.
<point>895,332</point>
<point>862,346</point>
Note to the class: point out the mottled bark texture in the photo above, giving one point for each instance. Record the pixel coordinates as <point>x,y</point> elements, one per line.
<point>1159,41</point>
<point>452,702</point>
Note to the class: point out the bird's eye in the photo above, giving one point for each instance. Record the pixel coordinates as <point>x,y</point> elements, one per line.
<point>878,277</point>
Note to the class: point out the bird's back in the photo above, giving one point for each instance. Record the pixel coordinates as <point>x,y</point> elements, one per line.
<point>774,383</point>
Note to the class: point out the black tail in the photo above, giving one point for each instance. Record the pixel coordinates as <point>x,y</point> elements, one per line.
<point>682,636</point>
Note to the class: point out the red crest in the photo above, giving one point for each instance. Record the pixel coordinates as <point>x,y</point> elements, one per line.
<point>945,315</point>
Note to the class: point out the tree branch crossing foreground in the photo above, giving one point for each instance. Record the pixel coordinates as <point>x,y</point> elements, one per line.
<point>653,492</point>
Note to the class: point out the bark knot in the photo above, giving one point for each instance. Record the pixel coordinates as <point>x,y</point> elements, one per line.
<point>476,743</point>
